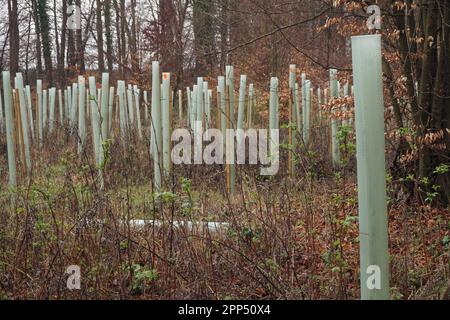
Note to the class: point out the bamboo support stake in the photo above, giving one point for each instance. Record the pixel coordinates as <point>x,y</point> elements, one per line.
<point>81,115</point>
<point>156,137</point>
<point>166,123</point>
<point>23,121</point>
<point>371,165</point>
<point>9,124</point>
<point>334,91</point>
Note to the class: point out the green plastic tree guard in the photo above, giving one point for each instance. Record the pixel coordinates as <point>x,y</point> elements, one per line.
<point>81,114</point>
<point>166,123</point>
<point>334,91</point>
<point>371,166</point>
<point>9,124</point>
<point>40,118</point>
<point>23,120</point>
<point>156,136</point>
<point>30,110</point>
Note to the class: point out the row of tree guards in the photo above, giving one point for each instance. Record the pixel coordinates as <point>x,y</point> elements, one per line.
<point>108,108</point>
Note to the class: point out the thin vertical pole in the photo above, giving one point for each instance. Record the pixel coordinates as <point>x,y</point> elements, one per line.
<point>371,166</point>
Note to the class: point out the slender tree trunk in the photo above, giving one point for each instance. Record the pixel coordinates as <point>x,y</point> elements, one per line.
<point>99,27</point>
<point>13,36</point>
<point>108,33</point>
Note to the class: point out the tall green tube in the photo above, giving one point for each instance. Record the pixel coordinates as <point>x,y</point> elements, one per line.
<point>334,91</point>
<point>229,82</point>
<point>60,108</point>
<point>105,108</point>
<point>74,106</point>
<point>165,108</point>
<point>1,117</point>
<point>251,93</point>
<point>23,120</point>
<point>9,121</point>
<point>30,110</point>
<point>81,114</point>
<point>95,121</point>
<point>156,136</point>
<point>130,104</point>
<point>52,98</point>
<point>110,110</point>
<point>241,104</point>
<point>44,109</point>
<point>40,111</point>
<point>121,107</point>
<point>371,165</point>
<point>307,113</point>
<point>137,104</point>
<point>146,107</point>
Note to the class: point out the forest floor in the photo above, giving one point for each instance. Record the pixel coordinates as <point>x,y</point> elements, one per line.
<point>288,238</point>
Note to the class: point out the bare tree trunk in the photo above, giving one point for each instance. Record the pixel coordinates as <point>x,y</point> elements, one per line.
<point>80,46</point>
<point>109,39</point>
<point>99,27</point>
<point>13,36</point>
<point>62,51</point>
<point>38,39</point>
